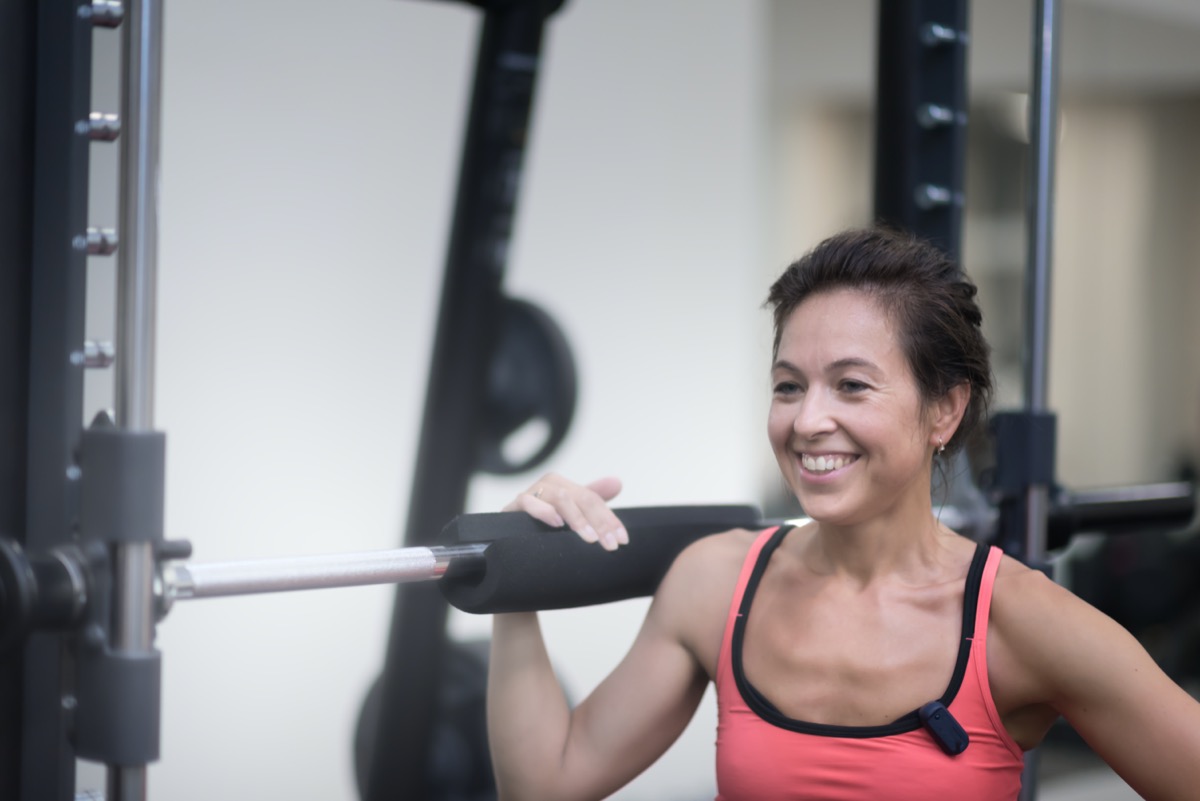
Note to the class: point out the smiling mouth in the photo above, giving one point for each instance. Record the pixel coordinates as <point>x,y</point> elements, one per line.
<point>825,464</point>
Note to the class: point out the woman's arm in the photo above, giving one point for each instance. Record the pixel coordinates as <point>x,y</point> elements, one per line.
<point>541,748</point>
<point>1055,649</point>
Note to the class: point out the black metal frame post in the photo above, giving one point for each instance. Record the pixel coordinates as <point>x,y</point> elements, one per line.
<point>18,55</point>
<point>56,364</point>
<point>921,118</point>
<point>469,324</point>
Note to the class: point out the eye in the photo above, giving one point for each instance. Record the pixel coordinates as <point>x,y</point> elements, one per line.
<point>852,386</point>
<point>787,388</point>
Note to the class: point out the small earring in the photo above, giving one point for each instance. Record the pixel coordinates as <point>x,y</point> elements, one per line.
<point>941,447</point>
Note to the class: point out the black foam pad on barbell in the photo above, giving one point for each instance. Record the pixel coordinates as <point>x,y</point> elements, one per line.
<point>530,566</point>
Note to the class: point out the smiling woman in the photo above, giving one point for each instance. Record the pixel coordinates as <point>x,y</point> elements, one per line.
<point>878,354</point>
<point>872,653</point>
<point>847,422</point>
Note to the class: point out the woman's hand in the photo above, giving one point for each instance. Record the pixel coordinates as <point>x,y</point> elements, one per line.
<point>584,509</point>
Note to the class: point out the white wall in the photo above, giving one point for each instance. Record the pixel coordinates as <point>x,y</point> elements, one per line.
<point>308,163</point>
<point>1125,344</point>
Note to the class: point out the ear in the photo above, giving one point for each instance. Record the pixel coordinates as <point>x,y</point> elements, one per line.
<point>948,412</point>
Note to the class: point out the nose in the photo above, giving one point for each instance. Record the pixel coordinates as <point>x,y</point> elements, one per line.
<point>813,416</point>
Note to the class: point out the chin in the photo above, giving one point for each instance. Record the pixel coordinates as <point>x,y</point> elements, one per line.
<point>830,512</point>
<point>821,512</point>
<point>830,519</point>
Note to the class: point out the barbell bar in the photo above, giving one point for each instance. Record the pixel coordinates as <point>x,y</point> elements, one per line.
<point>491,562</point>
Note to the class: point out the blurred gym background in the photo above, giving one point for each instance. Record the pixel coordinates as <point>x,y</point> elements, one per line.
<point>683,152</point>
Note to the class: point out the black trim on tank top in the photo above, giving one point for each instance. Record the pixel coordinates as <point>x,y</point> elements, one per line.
<point>905,723</point>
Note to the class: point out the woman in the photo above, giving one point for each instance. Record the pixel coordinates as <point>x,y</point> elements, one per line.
<point>824,641</point>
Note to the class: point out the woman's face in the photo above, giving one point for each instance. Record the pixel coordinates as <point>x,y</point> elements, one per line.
<point>847,422</point>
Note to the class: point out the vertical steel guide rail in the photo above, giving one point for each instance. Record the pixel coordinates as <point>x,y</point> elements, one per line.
<point>137,266</point>
<point>1043,108</point>
<point>1043,135</point>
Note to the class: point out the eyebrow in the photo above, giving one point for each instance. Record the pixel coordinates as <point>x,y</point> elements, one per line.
<point>839,364</point>
<point>852,361</point>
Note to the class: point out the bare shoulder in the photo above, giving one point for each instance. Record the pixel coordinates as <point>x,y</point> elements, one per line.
<point>1029,605</point>
<point>1017,583</point>
<point>1030,610</point>
<point>1044,639</point>
<point>693,599</point>
<point>717,552</point>
<point>706,566</point>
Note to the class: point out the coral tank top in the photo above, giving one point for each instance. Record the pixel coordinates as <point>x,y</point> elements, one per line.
<point>762,754</point>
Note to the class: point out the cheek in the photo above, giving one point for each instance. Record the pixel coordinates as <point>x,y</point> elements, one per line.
<point>779,427</point>
<point>905,419</point>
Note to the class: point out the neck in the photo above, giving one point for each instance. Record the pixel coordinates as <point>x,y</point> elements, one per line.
<point>906,541</point>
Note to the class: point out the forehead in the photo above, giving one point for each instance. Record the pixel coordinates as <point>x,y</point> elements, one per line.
<point>840,324</point>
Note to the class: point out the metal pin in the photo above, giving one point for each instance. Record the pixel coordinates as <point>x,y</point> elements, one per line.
<point>100,127</point>
<point>929,196</point>
<point>932,115</point>
<point>97,241</point>
<point>933,34</point>
<point>94,354</point>
<point>103,13</point>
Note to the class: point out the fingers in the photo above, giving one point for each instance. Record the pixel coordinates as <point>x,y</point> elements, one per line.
<point>607,487</point>
<point>536,508</point>
<point>584,509</point>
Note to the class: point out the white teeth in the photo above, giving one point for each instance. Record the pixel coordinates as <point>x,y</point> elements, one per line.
<point>824,464</point>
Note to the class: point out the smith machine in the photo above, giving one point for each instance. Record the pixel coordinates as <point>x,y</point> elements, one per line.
<point>85,571</point>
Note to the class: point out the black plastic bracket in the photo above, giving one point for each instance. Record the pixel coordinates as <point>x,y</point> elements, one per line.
<point>117,718</point>
<point>118,696</point>
<point>1025,450</point>
<point>123,484</point>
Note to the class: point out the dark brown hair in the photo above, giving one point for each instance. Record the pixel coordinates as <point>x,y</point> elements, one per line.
<point>927,297</point>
